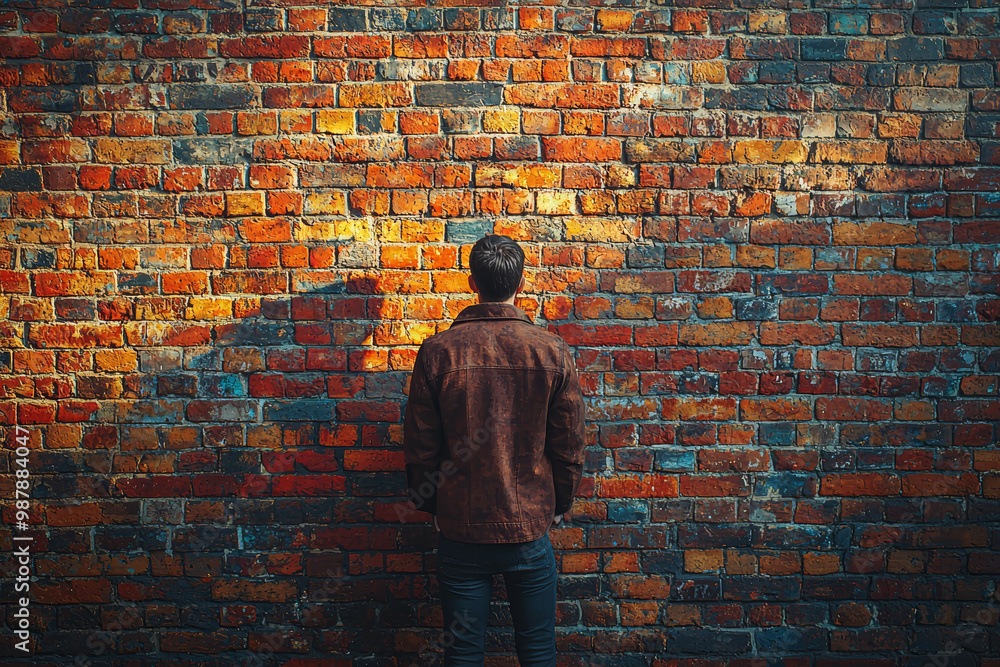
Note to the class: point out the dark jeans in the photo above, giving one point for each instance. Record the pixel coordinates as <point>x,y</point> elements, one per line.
<point>465,576</point>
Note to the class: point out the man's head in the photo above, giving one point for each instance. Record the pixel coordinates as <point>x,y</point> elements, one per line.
<point>497,264</point>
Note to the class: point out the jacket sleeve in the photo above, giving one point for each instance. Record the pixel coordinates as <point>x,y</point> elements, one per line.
<point>565,435</point>
<point>423,439</point>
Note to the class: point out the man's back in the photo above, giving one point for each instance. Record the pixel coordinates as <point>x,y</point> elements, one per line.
<point>494,427</point>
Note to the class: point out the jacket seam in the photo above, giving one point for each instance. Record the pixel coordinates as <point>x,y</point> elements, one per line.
<point>466,367</point>
<point>493,317</point>
<point>498,523</point>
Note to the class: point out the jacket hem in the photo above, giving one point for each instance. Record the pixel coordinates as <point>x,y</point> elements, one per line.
<point>504,532</point>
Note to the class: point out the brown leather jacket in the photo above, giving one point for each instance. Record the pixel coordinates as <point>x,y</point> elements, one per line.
<point>493,433</point>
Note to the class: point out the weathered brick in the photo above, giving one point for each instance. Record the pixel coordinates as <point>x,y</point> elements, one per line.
<point>935,152</point>
<point>924,99</point>
<point>756,152</point>
<point>117,151</point>
<point>659,150</point>
<point>766,228</point>
<point>458,94</point>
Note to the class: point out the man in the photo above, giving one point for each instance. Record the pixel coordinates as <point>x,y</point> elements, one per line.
<point>493,439</point>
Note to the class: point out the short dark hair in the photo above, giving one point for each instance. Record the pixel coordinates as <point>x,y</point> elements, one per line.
<point>497,262</point>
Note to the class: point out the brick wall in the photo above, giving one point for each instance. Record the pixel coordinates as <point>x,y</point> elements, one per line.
<point>770,234</point>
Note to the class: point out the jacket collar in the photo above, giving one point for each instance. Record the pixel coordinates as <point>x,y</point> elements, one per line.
<point>492,310</point>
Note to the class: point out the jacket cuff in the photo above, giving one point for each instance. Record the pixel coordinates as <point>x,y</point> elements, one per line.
<point>417,481</point>
<point>428,505</point>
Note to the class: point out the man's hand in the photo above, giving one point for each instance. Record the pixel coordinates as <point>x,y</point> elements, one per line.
<point>556,519</point>
<point>436,529</point>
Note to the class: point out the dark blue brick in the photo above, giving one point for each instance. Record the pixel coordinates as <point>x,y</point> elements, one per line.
<point>776,72</point>
<point>203,538</point>
<point>299,410</point>
<point>269,538</point>
<point>195,617</point>
<point>671,461</point>
<point>881,75</point>
<point>346,20</point>
<point>843,587</point>
<point>662,561</point>
<point>388,20</point>
<point>370,122</point>
<point>84,73</point>
<point>707,536</point>
<point>222,384</point>
<point>385,384</point>
<point>786,485</point>
<point>977,75</point>
<point>250,332</point>
<point>884,206</point>
<point>461,18</point>
<point>262,20</point>
<point>756,309</point>
<point>205,360</point>
<point>870,458</point>
<point>645,255</point>
<point>982,125</point>
<point>210,96</point>
<point>933,23</point>
<point>916,48</point>
<point>969,640</point>
<point>624,511</point>
<point>689,589</point>
<point>644,643</point>
<point>38,258</point>
<point>956,311</point>
<point>781,435</point>
<point>466,231</point>
<point>761,587</point>
<point>790,640</point>
<point>699,640</point>
<point>136,283</point>
<point>56,462</point>
<point>471,94</point>
<point>20,179</point>
<point>584,588</point>
<point>236,461</point>
<point>843,23</point>
<point>697,383</point>
<point>983,510</point>
<point>749,97</point>
<point>824,48</point>
<point>58,99</point>
<point>812,72</point>
<point>423,19</point>
<point>791,537</point>
<point>783,283</point>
